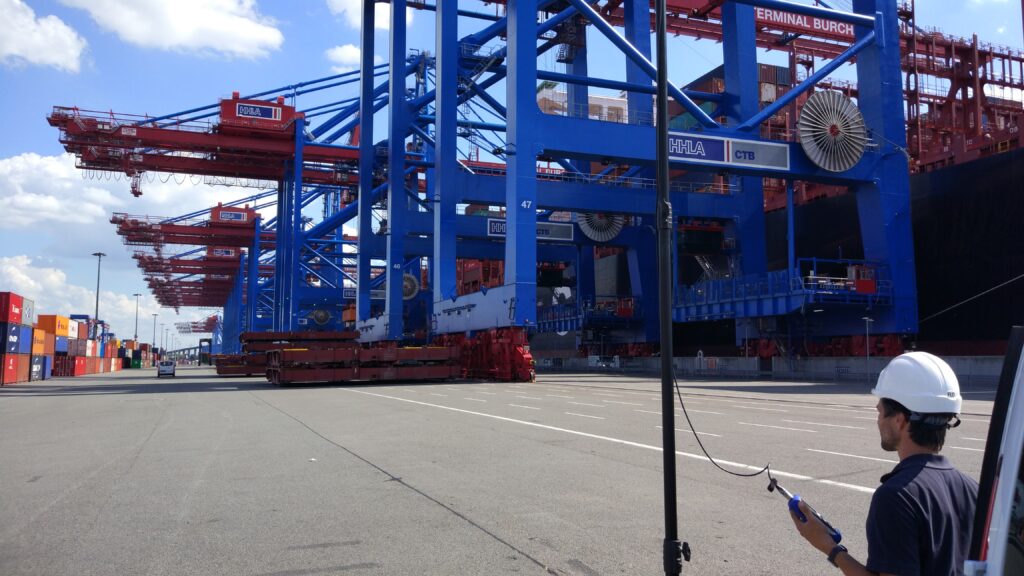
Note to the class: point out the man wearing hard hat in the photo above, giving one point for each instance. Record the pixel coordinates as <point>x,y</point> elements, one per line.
<point>921,516</point>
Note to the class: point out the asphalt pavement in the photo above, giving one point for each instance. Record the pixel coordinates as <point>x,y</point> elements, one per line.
<point>125,473</point>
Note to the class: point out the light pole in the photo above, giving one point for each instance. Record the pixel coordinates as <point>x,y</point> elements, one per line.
<point>154,329</point>
<point>136,316</point>
<point>163,337</point>
<point>867,335</point>
<point>99,258</point>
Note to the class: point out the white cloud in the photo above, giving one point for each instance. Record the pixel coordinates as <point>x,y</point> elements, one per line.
<point>44,190</point>
<point>352,10</point>
<point>46,41</point>
<point>346,58</point>
<point>231,28</point>
<point>49,288</point>
<point>37,190</point>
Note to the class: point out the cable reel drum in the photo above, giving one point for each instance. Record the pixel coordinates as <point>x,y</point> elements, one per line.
<point>832,131</point>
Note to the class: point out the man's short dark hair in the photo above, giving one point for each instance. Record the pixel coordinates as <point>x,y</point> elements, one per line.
<point>929,432</point>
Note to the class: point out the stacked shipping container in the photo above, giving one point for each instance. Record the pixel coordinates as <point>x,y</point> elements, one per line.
<point>16,315</point>
<point>55,345</point>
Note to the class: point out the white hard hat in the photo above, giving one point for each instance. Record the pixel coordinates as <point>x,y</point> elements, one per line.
<point>922,382</point>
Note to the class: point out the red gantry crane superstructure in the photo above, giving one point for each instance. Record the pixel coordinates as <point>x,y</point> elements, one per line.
<point>253,140</point>
<point>209,268</point>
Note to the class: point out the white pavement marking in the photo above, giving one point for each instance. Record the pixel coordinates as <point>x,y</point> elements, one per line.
<point>700,412</point>
<point>823,424</point>
<point>585,416</point>
<point>488,393</point>
<point>974,439</point>
<point>780,473</point>
<point>475,399</point>
<point>585,404</point>
<point>560,396</point>
<point>969,449</point>
<point>408,390</point>
<point>837,409</point>
<point>875,418</point>
<point>436,394</point>
<point>529,397</point>
<point>692,432</point>
<point>608,395</point>
<point>765,409</point>
<point>854,456</point>
<point>623,403</point>
<point>647,412</point>
<point>778,427</point>
<point>527,407</point>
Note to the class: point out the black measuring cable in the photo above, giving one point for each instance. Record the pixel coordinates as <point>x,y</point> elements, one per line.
<point>767,468</point>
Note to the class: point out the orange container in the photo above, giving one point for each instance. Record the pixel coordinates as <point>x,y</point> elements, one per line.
<point>53,324</point>
<point>38,342</point>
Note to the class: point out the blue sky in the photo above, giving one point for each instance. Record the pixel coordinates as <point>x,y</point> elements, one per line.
<point>161,56</point>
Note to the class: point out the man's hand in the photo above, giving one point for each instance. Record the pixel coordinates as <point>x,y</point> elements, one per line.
<point>813,530</point>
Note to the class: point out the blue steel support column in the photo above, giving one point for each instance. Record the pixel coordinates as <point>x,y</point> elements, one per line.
<point>790,231</point>
<point>741,102</point>
<point>365,198</point>
<point>283,255</point>
<point>446,152</point>
<point>884,206</point>
<point>638,32</point>
<point>289,308</point>
<point>586,286</point>
<point>521,180</point>
<point>252,286</point>
<point>397,200</point>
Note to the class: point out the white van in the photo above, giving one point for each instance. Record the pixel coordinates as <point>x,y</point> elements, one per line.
<point>165,368</point>
<point>997,548</point>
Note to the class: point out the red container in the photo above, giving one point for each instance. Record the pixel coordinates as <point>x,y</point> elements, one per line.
<point>24,367</point>
<point>69,366</point>
<point>11,307</point>
<point>9,371</point>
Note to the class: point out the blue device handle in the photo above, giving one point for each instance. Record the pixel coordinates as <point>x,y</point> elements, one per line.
<point>794,507</point>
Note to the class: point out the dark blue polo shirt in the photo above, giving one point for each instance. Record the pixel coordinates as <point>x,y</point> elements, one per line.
<point>921,518</point>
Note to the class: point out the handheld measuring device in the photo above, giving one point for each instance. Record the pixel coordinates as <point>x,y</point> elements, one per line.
<point>794,506</point>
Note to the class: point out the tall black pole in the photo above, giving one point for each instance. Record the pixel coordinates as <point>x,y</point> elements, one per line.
<point>673,550</point>
<point>96,314</point>
<point>136,316</point>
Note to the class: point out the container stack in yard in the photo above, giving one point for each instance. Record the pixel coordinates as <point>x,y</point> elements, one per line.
<point>52,345</point>
<point>16,315</point>
<point>135,355</point>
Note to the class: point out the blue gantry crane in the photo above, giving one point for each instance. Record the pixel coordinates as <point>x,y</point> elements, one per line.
<point>488,156</point>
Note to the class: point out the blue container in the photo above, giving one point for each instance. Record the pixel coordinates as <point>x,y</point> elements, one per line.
<point>36,369</point>
<point>24,340</point>
<point>12,338</point>
<point>47,367</point>
<point>60,344</point>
